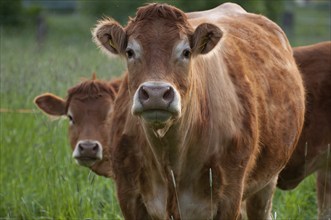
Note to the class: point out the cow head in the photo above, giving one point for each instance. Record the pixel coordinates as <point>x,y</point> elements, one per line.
<point>88,109</point>
<point>159,45</point>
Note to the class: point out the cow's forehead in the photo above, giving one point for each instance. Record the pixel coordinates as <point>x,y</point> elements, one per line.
<point>81,103</point>
<point>155,25</point>
<point>151,38</point>
<point>148,29</point>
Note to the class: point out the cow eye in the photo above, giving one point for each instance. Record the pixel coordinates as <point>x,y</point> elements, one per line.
<point>71,119</point>
<point>129,53</point>
<point>187,53</point>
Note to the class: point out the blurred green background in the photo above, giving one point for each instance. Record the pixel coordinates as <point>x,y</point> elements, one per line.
<point>45,46</point>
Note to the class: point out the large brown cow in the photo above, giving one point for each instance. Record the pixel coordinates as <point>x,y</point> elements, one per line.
<point>218,105</point>
<point>313,150</point>
<point>313,61</point>
<point>88,107</point>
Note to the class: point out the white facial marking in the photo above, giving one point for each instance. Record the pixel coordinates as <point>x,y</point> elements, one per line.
<point>179,49</point>
<point>176,103</point>
<point>136,105</point>
<point>135,47</point>
<point>70,116</point>
<point>76,152</point>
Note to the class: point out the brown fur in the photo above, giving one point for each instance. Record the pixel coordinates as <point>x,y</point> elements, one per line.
<point>313,152</point>
<point>242,113</point>
<point>90,103</point>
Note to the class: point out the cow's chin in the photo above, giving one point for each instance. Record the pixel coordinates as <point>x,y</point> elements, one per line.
<point>86,162</point>
<point>156,118</point>
<point>159,121</point>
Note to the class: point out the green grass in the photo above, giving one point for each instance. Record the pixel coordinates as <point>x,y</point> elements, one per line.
<point>38,177</point>
<point>299,203</point>
<point>67,56</point>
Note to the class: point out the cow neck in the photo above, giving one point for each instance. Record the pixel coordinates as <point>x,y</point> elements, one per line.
<point>164,149</point>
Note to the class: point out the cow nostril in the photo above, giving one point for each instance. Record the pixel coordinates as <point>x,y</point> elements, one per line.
<point>168,94</point>
<point>95,148</point>
<point>143,94</point>
<point>88,148</point>
<point>80,147</point>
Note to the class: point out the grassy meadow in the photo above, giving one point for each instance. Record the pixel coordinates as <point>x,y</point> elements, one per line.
<point>38,177</point>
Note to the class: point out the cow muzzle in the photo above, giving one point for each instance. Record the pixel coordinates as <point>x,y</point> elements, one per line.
<point>87,152</point>
<point>156,102</point>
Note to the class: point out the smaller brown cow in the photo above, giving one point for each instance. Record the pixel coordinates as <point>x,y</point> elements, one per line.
<point>313,150</point>
<point>88,107</point>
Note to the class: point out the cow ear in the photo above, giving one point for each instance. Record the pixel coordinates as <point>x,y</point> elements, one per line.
<point>51,104</point>
<point>205,38</point>
<point>110,37</point>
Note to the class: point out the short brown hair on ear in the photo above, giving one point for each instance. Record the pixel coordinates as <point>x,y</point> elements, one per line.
<point>110,36</point>
<point>51,104</point>
<point>205,38</point>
